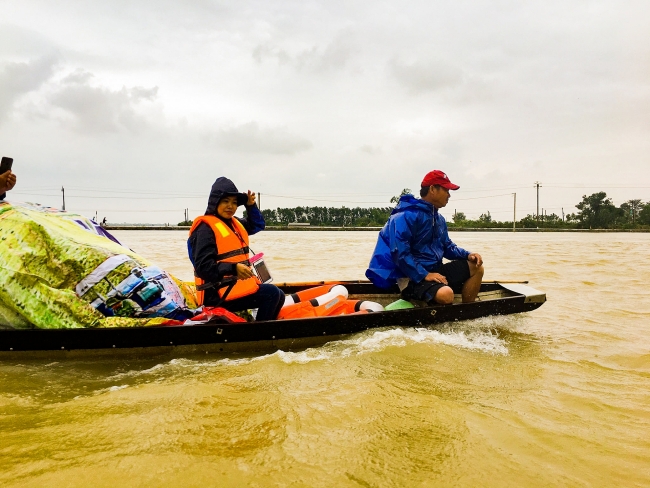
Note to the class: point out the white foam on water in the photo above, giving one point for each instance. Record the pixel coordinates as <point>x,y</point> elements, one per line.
<point>306,356</point>
<point>474,340</point>
<point>110,389</point>
<point>377,341</point>
<point>480,340</point>
<point>130,374</point>
<point>189,363</point>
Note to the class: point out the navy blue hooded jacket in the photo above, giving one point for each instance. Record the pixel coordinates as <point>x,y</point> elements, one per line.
<point>411,244</point>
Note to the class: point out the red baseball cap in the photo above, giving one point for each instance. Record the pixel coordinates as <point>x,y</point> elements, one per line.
<point>437,177</point>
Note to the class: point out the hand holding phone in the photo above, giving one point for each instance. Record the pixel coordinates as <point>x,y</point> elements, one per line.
<point>6,164</point>
<point>7,178</point>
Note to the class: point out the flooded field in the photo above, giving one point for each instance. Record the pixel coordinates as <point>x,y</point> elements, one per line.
<point>556,397</point>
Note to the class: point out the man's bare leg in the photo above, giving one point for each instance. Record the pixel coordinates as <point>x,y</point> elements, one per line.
<point>473,285</point>
<point>445,295</point>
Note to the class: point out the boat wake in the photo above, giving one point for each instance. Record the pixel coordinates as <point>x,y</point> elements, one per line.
<point>481,335</point>
<point>380,340</point>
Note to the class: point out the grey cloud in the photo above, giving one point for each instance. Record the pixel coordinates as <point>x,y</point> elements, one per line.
<point>335,55</point>
<point>317,59</point>
<point>265,51</point>
<point>98,109</point>
<point>252,138</point>
<point>17,79</point>
<point>139,93</point>
<point>19,41</point>
<point>78,76</point>
<point>372,150</point>
<point>420,77</point>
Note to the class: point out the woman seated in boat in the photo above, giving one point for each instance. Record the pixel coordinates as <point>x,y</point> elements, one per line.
<point>218,249</point>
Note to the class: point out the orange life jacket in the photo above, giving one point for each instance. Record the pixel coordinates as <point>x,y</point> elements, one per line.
<point>232,248</point>
<point>311,293</point>
<point>336,306</point>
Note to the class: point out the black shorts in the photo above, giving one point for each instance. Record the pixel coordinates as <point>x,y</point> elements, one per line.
<point>456,272</point>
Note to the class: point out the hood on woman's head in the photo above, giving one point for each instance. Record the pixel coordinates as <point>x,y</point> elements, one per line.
<point>223,187</point>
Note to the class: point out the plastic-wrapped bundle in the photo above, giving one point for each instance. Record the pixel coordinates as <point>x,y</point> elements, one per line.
<point>62,270</point>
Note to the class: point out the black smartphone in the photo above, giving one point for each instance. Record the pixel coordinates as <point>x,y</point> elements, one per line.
<point>6,164</point>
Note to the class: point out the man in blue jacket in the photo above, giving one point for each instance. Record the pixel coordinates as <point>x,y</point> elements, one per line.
<point>411,246</point>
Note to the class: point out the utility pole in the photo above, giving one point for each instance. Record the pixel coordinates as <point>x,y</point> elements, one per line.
<point>537,185</point>
<point>259,201</point>
<point>514,213</point>
<point>63,191</point>
<point>562,214</point>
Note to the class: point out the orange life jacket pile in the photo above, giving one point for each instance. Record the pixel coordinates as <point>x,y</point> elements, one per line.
<point>324,301</point>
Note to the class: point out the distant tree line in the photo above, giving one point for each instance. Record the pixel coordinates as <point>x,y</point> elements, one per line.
<point>328,216</point>
<point>595,211</point>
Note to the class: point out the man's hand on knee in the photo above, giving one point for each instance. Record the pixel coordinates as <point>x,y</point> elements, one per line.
<point>437,278</point>
<point>476,259</point>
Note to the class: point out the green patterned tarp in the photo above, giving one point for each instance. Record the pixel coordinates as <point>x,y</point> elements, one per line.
<point>61,270</point>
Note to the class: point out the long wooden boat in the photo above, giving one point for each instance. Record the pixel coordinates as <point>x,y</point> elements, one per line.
<point>495,298</point>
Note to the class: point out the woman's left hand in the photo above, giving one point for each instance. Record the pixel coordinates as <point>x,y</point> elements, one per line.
<point>251,198</point>
<point>243,271</point>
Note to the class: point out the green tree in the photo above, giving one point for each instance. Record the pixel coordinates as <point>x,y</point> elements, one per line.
<point>485,218</point>
<point>572,218</point>
<point>459,217</point>
<point>631,210</point>
<point>596,211</point>
<point>552,219</point>
<point>528,222</point>
<point>395,200</point>
<point>644,214</point>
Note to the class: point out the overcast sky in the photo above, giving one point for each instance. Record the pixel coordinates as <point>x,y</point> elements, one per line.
<point>137,107</point>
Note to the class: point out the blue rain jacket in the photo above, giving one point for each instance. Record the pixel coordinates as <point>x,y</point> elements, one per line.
<point>411,244</point>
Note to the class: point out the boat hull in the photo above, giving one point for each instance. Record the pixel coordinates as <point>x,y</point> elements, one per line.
<point>256,336</point>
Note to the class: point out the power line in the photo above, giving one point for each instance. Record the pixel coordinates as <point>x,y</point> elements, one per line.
<point>596,186</point>
<point>108,198</point>
<point>478,198</point>
<point>167,194</point>
<point>386,203</point>
<point>112,210</point>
